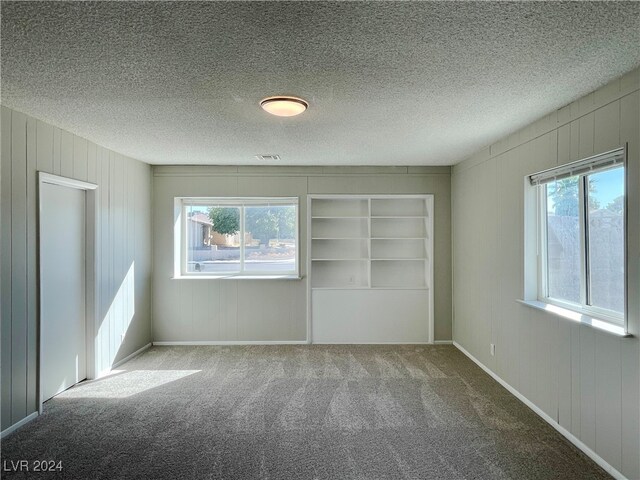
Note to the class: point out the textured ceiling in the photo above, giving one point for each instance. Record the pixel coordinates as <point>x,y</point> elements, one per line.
<point>388,83</point>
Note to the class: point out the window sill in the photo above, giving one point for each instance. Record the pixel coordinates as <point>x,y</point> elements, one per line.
<point>236,277</point>
<point>567,314</point>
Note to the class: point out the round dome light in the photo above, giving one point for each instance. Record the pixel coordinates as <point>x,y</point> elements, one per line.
<point>284,106</point>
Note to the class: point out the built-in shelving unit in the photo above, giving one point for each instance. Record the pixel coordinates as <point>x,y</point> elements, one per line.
<point>361,246</point>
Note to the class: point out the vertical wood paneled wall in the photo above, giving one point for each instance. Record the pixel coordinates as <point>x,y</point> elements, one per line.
<point>586,380</point>
<point>276,310</point>
<point>123,250</point>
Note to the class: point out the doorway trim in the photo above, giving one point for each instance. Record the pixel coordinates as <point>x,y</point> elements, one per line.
<point>91,291</point>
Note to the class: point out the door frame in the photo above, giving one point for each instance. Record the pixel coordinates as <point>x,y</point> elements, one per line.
<point>91,291</point>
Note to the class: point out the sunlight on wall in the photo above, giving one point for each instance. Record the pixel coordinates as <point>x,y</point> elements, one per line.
<point>126,384</point>
<point>116,321</point>
<point>69,382</point>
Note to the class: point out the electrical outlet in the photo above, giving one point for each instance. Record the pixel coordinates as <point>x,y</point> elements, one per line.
<point>493,349</point>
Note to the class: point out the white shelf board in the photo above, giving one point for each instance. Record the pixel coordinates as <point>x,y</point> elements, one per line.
<point>419,259</point>
<point>339,238</point>
<point>360,259</point>
<point>398,238</point>
<point>343,217</point>
<point>345,287</point>
<point>397,216</point>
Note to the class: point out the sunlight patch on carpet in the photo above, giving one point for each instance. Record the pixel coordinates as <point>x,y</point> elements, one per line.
<point>126,384</point>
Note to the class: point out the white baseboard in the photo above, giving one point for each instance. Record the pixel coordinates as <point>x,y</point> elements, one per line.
<point>17,425</point>
<point>566,433</point>
<point>286,342</point>
<point>371,343</point>
<point>107,371</point>
<point>233,342</point>
<point>129,357</point>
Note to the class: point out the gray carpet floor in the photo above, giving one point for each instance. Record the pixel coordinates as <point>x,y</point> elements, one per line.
<point>296,412</point>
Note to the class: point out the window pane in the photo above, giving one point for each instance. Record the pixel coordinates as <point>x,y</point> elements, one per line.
<point>606,239</point>
<point>213,240</point>
<point>270,239</point>
<point>563,239</point>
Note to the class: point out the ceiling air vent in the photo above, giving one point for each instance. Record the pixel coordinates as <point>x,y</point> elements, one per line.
<point>267,157</point>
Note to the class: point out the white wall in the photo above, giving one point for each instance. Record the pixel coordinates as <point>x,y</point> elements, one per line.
<point>586,380</point>
<point>275,310</point>
<point>123,253</point>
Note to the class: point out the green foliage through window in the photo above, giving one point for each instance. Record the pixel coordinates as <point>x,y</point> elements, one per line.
<point>226,220</point>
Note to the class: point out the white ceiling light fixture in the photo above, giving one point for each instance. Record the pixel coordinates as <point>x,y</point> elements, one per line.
<point>284,106</point>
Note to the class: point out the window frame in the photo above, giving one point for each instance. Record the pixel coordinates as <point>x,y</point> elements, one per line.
<point>615,318</point>
<point>181,205</point>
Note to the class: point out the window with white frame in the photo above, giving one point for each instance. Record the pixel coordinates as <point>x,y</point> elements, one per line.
<point>581,236</point>
<point>254,237</point>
